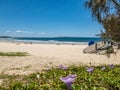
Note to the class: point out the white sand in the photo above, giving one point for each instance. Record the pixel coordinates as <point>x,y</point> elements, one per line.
<point>45,54</point>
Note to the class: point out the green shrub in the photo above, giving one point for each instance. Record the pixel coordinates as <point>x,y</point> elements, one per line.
<point>110,50</point>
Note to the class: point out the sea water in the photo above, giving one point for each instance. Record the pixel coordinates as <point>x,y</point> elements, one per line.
<point>57,40</point>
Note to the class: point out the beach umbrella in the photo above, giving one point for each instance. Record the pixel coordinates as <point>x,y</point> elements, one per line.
<point>91,43</point>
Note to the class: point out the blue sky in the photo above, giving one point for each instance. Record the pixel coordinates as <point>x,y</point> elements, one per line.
<point>46,18</point>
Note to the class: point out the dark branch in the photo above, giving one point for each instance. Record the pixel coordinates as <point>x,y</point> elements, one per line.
<point>116,4</point>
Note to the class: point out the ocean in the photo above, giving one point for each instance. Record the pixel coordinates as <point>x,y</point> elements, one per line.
<point>56,40</point>
<point>53,40</point>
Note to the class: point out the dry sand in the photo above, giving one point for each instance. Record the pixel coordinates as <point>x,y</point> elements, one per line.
<point>42,55</point>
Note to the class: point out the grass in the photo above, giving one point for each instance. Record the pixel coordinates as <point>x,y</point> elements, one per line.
<point>13,54</point>
<point>108,79</point>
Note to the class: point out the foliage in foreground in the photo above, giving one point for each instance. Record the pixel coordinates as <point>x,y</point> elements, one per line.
<point>13,54</point>
<point>97,78</point>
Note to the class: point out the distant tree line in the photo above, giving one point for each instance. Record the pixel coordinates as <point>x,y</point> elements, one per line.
<point>5,37</point>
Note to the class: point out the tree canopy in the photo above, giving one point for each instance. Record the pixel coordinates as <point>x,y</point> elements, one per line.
<point>107,13</point>
<point>112,28</point>
<point>102,9</point>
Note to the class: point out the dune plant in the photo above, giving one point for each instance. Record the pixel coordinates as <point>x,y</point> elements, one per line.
<point>106,77</point>
<point>14,54</point>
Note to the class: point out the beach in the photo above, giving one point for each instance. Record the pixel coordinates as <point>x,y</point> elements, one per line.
<point>43,56</point>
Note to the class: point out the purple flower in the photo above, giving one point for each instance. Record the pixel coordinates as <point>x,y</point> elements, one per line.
<point>62,67</point>
<point>48,68</point>
<point>103,68</point>
<point>65,68</point>
<point>90,70</point>
<point>68,81</point>
<point>112,66</point>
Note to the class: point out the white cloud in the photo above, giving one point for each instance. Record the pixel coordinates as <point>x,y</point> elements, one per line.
<point>22,31</point>
<point>19,31</point>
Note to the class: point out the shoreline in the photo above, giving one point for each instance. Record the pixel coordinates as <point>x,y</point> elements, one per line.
<point>42,55</point>
<point>45,42</point>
